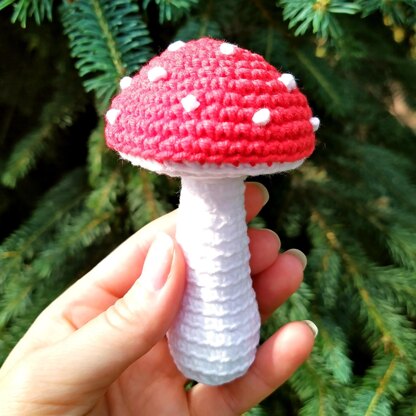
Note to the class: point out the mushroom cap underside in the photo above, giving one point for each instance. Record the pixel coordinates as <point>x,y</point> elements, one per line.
<point>211,170</point>
<point>211,104</point>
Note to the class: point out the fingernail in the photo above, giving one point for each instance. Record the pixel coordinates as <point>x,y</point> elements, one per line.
<point>312,327</point>
<point>263,190</point>
<point>300,256</point>
<point>158,262</point>
<point>273,233</point>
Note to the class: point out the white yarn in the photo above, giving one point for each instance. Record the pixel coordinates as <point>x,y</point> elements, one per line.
<point>315,123</point>
<point>112,115</point>
<point>288,80</point>
<point>261,117</point>
<point>157,73</point>
<point>190,103</point>
<point>214,337</point>
<point>125,82</point>
<point>227,48</point>
<point>175,46</point>
<point>208,170</point>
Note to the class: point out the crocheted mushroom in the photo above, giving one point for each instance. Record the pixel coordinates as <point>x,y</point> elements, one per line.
<point>213,114</point>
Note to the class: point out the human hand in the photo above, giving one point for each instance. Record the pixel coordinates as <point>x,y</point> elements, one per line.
<point>100,347</point>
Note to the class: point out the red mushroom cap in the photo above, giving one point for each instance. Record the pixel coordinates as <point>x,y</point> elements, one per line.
<point>210,102</point>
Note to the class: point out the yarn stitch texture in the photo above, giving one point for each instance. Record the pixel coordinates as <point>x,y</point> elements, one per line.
<point>230,88</point>
<point>214,337</point>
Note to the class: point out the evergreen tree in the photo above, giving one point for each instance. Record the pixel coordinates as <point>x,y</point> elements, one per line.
<point>66,201</point>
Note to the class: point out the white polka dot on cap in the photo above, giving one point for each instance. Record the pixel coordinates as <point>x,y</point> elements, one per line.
<point>315,123</point>
<point>262,117</point>
<point>175,46</point>
<point>125,82</point>
<point>190,103</point>
<point>288,80</point>
<point>112,115</point>
<point>227,48</point>
<point>157,73</point>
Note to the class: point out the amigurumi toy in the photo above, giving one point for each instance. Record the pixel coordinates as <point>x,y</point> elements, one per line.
<point>212,113</point>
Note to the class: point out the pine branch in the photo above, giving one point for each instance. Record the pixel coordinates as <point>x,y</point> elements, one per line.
<point>406,406</point>
<point>143,199</point>
<point>198,27</point>
<point>81,231</point>
<point>14,301</point>
<point>402,13</point>
<point>38,297</point>
<point>317,15</point>
<point>104,196</point>
<point>387,206</point>
<point>172,10</point>
<point>332,348</point>
<point>23,244</point>
<point>269,41</point>
<point>391,179</point>
<point>25,154</point>
<point>396,285</point>
<point>20,253</point>
<point>383,324</point>
<point>74,235</point>
<point>314,386</point>
<point>200,24</point>
<point>383,383</point>
<point>402,245</point>
<point>57,114</point>
<point>334,93</point>
<point>324,265</point>
<point>385,210</point>
<point>39,9</point>
<point>108,39</point>
<point>98,155</point>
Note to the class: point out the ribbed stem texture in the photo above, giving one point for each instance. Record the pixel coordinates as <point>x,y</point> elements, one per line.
<point>215,335</point>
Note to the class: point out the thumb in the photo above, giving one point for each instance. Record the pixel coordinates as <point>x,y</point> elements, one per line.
<point>108,344</point>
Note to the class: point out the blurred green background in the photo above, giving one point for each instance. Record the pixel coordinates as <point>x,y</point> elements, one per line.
<point>66,201</point>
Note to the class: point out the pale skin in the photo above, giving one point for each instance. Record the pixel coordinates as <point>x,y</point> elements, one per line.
<point>100,348</point>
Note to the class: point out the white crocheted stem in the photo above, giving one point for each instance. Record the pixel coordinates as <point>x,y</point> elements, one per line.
<point>214,338</point>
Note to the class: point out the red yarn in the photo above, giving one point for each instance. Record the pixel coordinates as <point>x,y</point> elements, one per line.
<point>153,124</point>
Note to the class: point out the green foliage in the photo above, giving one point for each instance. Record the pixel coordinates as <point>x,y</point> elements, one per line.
<point>66,200</point>
<point>317,15</point>
<point>39,9</point>
<point>316,389</point>
<point>401,12</point>
<point>56,115</point>
<point>23,254</point>
<point>196,28</point>
<point>256,411</point>
<point>386,380</point>
<point>108,39</point>
<point>171,10</point>
<point>144,201</point>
